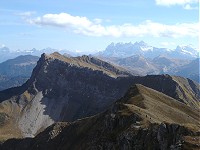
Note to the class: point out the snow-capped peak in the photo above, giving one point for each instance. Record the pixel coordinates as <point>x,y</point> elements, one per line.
<point>143,46</point>
<point>4,49</point>
<point>187,50</point>
<point>123,50</point>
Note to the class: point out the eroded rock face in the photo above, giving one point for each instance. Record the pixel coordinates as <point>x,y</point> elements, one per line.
<point>140,139</point>
<point>107,132</point>
<point>64,89</point>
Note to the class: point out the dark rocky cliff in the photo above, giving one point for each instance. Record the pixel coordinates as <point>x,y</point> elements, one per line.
<point>63,89</point>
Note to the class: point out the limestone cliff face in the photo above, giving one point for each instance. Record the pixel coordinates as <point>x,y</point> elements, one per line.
<point>143,119</point>
<point>63,89</point>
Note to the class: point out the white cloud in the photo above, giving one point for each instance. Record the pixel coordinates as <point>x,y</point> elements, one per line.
<point>167,44</point>
<point>26,14</point>
<point>82,25</point>
<point>3,45</point>
<point>98,21</point>
<point>189,7</point>
<point>175,2</point>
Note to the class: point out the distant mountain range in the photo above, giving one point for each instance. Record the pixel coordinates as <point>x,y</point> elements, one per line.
<point>119,50</point>
<point>15,72</point>
<point>139,65</point>
<point>143,59</point>
<point>123,50</point>
<point>6,53</point>
<point>139,58</point>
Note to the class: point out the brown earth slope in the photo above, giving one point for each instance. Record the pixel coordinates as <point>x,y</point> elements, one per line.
<point>142,119</point>
<point>182,89</point>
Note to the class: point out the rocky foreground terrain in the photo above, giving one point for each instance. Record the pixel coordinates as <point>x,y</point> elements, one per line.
<point>162,113</point>
<point>142,119</point>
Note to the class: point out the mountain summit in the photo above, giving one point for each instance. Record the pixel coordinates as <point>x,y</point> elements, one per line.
<point>123,50</point>
<point>61,89</point>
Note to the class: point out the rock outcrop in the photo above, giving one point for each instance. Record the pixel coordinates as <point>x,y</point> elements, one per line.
<point>142,119</point>
<point>63,89</point>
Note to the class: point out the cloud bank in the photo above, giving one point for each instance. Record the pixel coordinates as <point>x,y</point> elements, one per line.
<point>175,2</point>
<point>26,14</point>
<point>82,25</point>
<point>186,4</point>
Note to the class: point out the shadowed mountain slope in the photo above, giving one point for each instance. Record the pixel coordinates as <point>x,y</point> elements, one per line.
<point>61,89</point>
<point>142,119</point>
<point>191,70</point>
<point>182,89</point>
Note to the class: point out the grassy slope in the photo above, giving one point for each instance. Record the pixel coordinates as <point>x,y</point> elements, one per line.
<point>142,108</point>
<point>156,108</point>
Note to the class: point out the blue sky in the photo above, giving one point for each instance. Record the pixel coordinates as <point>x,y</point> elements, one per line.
<point>90,25</point>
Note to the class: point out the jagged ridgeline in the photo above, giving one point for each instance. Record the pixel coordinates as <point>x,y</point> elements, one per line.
<point>142,119</point>
<point>62,89</point>
<point>70,88</point>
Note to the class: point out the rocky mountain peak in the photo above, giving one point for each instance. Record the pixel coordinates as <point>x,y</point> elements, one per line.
<point>4,49</point>
<point>185,47</point>
<point>64,89</point>
<point>123,50</point>
<point>141,44</point>
<point>187,50</point>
